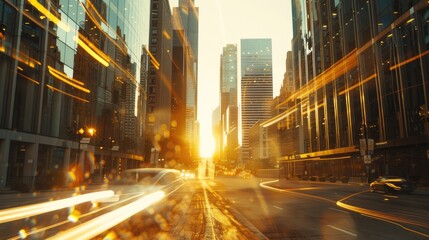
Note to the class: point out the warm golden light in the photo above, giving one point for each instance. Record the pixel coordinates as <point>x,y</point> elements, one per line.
<point>49,15</point>
<point>91,131</point>
<point>279,117</point>
<point>92,50</point>
<point>152,59</point>
<point>28,78</point>
<point>81,131</point>
<point>358,84</point>
<point>11,214</point>
<point>206,146</point>
<point>70,81</point>
<point>104,222</point>
<point>65,93</point>
<point>411,59</point>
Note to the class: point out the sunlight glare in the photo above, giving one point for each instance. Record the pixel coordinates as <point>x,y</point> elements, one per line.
<point>7,215</point>
<point>102,223</point>
<point>206,145</point>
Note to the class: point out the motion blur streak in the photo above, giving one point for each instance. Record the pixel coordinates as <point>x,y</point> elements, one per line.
<point>49,15</point>
<point>408,229</point>
<point>44,229</point>
<point>380,215</point>
<point>208,212</point>
<point>11,214</point>
<point>100,224</point>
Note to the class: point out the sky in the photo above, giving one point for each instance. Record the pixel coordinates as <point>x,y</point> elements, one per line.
<point>223,22</point>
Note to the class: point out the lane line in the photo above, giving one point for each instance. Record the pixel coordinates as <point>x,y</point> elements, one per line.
<point>342,230</point>
<point>278,207</point>
<point>334,209</point>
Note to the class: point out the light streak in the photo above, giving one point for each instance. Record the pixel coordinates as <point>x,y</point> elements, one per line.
<point>208,211</point>
<point>279,117</point>
<point>89,10</point>
<point>92,50</point>
<point>380,215</point>
<point>49,15</point>
<point>66,93</point>
<point>16,213</point>
<point>70,81</point>
<point>376,214</point>
<point>342,230</point>
<point>152,59</point>
<point>358,84</point>
<point>411,59</point>
<point>104,222</point>
<point>25,59</point>
<point>44,229</point>
<point>28,78</point>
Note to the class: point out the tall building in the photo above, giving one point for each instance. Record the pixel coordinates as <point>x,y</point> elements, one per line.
<point>185,21</point>
<point>67,77</point>
<point>256,87</point>
<point>178,99</point>
<point>158,88</point>
<point>228,103</point>
<point>361,72</point>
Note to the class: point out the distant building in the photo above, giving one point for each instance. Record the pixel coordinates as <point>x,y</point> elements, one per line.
<point>256,87</point>
<point>228,103</point>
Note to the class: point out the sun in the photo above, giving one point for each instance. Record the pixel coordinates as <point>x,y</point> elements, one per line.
<point>206,145</point>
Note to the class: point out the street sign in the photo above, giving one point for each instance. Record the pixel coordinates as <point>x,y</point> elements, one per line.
<point>85,140</point>
<point>115,148</point>
<point>83,146</point>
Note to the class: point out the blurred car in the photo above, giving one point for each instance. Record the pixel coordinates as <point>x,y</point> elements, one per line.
<point>391,184</point>
<point>187,174</point>
<point>161,177</point>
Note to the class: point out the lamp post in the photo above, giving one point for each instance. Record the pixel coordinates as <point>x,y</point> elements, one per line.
<point>82,142</point>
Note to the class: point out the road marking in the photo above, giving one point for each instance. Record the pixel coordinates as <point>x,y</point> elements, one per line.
<point>277,207</point>
<point>390,196</point>
<point>342,230</point>
<point>334,209</point>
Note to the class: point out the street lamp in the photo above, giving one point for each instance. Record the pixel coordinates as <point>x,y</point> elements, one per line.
<point>78,137</point>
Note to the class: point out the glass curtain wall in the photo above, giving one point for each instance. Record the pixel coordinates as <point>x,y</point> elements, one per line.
<point>362,66</point>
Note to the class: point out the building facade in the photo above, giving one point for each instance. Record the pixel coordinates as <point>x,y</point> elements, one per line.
<point>228,103</point>
<point>158,88</point>
<point>70,72</point>
<point>256,87</point>
<point>185,25</point>
<point>361,104</point>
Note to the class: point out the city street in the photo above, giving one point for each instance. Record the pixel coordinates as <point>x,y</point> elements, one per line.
<point>238,208</point>
<point>313,210</point>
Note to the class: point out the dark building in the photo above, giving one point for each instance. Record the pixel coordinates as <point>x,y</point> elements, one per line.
<point>69,89</point>
<point>361,77</point>
<point>158,88</point>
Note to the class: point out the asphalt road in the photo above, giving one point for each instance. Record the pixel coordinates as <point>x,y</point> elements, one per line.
<point>238,208</point>
<point>310,210</point>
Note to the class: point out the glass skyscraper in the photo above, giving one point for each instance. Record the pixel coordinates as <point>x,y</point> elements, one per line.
<point>256,86</point>
<point>70,65</point>
<point>228,102</point>
<point>361,74</point>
